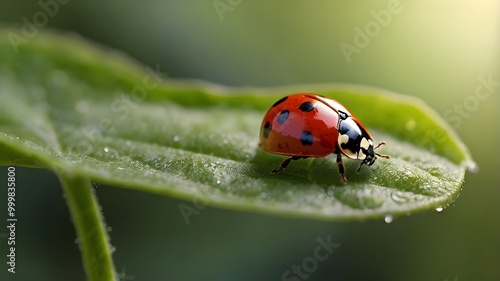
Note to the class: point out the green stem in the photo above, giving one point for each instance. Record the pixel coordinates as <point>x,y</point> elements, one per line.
<point>90,228</point>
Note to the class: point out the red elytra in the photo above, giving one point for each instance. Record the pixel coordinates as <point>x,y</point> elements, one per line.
<point>308,125</point>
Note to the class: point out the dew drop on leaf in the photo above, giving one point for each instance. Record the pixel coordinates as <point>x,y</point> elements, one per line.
<point>388,218</point>
<point>399,199</point>
<point>329,192</point>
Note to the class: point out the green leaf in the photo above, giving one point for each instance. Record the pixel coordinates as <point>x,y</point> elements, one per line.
<point>69,104</point>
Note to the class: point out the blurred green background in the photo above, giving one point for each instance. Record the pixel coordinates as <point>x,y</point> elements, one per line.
<point>435,50</point>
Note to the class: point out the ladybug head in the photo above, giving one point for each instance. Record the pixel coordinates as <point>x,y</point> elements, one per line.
<point>355,142</point>
<point>368,153</point>
<point>372,155</point>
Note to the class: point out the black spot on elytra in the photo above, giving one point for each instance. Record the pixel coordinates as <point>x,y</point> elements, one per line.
<point>306,138</point>
<point>267,129</point>
<point>280,101</point>
<point>307,106</point>
<point>283,116</point>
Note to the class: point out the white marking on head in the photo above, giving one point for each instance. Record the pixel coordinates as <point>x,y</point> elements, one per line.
<point>365,144</point>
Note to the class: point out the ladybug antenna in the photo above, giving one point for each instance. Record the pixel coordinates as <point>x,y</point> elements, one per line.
<point>380,144</point>
<point>378,154</point>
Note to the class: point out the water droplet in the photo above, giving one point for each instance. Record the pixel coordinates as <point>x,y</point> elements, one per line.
<point>17,138</point>
<point>439,209</point>
<point>176,138</point>
<point>121,168</point>
<point>218,181</point>
<point>263,195</point>
<point>113,249</point>
<point>370,202</point>
<point>106,149</point>
<point>109,228</point>
<point>411,124</point>
<point>388,218</point>
<point>330,191</point>
<point>471,166</point>
<point>398,198</point>
<point>77,241</point>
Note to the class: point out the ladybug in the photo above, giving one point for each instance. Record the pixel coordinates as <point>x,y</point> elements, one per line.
<point>307,125</point>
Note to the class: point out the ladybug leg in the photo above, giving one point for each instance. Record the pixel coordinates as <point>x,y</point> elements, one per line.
<point>285,163</point>
<point>341,168</point>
